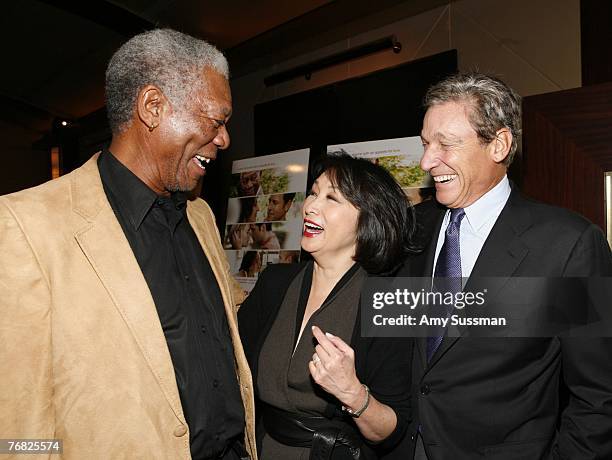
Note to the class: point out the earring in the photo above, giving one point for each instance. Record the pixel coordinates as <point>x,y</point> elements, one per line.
<point>152,127</point>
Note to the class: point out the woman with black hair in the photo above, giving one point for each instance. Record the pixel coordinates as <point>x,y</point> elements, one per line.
<point>250,265</point>
<point>323,390</point>
<point>248,209</point>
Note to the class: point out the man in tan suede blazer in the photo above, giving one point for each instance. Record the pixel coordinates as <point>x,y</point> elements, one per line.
<point>85,357</point>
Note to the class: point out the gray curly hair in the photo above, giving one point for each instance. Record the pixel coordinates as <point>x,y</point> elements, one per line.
<point>494,105</point>
<point>168,59</point>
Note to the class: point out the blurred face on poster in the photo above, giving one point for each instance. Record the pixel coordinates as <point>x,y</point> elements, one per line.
<point>259,232</point>
<point>288,257</point>
<point>264,237</point>
<point>249,183</point>
<point>251,264</point>
<point>248,210</point>
<point>240,236</point>
<point>330,222</point>
<point>278,205</point>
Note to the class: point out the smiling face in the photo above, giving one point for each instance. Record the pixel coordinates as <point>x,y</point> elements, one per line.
<point>249,183</point>
<point>330,222</point>
<point>188,137</point>
<point>462,166</point>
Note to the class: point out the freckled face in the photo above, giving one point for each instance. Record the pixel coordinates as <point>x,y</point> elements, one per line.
<point>190,136</point>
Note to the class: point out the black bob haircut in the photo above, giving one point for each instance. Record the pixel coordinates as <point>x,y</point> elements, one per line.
<point>386,223</point>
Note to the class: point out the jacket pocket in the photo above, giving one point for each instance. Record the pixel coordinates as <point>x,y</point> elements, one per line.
<point>533,449</point>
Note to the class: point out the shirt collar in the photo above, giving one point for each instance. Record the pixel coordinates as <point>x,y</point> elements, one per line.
<point>489,205</point>
<point>173,207</point>
<point>133,195</point>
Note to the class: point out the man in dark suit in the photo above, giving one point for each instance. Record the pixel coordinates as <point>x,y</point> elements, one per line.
<point>502,398</point>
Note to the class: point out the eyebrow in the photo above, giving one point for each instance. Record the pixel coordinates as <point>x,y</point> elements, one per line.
<point>443,137</point>
<point>225,111</point>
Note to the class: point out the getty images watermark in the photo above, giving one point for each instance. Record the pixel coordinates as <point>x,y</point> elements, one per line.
<point>449,301</point>
<point>487,307</point>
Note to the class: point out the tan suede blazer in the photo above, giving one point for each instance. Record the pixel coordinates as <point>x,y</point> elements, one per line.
<point>83,354</point>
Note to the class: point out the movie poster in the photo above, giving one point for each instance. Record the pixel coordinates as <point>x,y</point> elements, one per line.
<point>400,157</point>
<point>264,213</point>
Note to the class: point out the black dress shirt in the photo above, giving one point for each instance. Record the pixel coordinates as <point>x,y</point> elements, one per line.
<point>188,302</point>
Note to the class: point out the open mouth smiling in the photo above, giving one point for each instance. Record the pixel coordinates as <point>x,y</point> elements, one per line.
<point>444,179</point>
<point>312,229</point>
<point>201,161</point>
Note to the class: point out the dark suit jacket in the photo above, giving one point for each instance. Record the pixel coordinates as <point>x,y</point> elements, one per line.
<point>500,397</point>
<point>381,363</point>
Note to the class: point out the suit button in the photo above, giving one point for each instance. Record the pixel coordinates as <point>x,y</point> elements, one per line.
<point>180,430</point>
<point>425,389</point>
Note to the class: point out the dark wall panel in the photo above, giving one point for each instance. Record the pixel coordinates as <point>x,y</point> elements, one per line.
<point>382,105</point>
<point>596,41</point>
<point>566,148</point>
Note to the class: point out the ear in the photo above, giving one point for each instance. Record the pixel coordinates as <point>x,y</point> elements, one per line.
<point>150,106</point>
<point>500,146</point>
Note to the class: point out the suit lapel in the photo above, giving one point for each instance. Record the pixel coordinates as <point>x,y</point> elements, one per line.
<point>104,244</point>
<point>500,256</point>
<point>205,237</point>
<point>424,268</point>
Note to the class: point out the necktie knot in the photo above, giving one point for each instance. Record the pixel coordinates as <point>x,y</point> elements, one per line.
<point>456,215</point>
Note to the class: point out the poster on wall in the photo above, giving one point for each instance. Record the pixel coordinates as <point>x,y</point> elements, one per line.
<point>401,157</point>
<point>264,213</point>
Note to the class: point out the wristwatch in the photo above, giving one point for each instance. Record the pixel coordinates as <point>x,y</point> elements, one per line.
<point>358,412</point>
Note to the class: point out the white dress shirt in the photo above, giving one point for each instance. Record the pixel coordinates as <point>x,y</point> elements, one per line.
<point>479,219</point>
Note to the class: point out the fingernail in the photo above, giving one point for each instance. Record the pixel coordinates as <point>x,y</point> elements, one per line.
<point>331,336</point>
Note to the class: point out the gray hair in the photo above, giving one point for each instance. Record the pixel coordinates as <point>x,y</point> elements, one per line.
<point>494,105</point>
<point>168,59</point>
